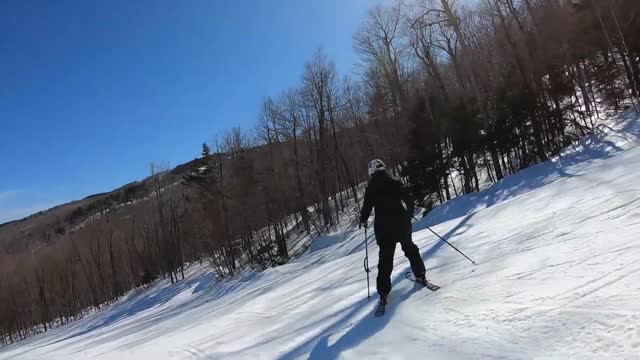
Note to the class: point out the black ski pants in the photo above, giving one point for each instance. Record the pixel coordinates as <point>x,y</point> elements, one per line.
<point>385,262</point>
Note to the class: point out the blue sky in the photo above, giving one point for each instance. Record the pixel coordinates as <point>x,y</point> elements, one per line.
<point>93,91</point>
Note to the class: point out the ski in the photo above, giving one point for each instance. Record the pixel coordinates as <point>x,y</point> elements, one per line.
<point>428,285</point>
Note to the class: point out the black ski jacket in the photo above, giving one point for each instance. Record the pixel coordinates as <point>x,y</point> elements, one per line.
<point>394,208</point>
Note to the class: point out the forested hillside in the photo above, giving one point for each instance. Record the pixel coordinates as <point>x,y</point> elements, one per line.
<point>452,95</point>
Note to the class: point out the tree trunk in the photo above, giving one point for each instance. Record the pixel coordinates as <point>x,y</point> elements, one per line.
<point>466,173</point>
<point>302,208</point>
<point>487,165</point>
<point>495,160</point>
<point>583,88</point>
<point>472,166</point>
<point>628,71</point>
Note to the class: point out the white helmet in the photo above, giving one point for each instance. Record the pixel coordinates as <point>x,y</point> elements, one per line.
<point>375,165</point>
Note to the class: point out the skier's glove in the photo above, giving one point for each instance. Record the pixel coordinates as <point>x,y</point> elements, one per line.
<point>363,224</point>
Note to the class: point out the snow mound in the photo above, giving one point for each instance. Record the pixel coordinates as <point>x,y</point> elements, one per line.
<point>558,253</point>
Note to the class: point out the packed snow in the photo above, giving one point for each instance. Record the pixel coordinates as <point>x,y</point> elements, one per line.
<point>558,276</point>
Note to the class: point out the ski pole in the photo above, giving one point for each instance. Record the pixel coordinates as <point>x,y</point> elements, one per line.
<point>448,243</point>
<point>366,261</point>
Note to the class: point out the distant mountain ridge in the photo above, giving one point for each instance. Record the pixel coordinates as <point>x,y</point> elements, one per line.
<point>47,224</point>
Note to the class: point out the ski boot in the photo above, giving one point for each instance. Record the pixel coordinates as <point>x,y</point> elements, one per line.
<point>382,304</point>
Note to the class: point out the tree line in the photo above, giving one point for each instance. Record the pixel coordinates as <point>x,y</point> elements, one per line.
<point>451,95</point>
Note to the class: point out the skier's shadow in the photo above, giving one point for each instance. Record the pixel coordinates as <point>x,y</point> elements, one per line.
<point>364,329</point>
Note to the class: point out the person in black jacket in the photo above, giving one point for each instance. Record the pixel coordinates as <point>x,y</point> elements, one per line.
<point>394,209</point>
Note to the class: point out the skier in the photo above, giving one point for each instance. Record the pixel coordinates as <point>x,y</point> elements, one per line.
<point>392,224</point>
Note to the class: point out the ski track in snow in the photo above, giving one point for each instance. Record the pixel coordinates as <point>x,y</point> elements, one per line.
<point>558,253</point>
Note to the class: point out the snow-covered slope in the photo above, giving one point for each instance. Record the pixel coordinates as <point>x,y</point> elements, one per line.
<point>558,276</point>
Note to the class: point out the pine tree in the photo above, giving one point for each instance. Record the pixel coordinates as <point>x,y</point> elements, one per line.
<point>205,150</point>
